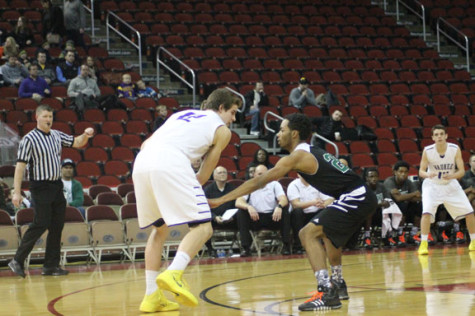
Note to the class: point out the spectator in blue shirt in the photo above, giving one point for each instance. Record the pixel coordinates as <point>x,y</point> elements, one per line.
<point>34,87</point>
<point>146,92</point>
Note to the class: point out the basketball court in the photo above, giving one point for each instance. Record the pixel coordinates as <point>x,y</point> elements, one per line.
<point>380,282</point>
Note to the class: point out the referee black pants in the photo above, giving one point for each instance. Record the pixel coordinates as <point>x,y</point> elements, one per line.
<point>50,206</point>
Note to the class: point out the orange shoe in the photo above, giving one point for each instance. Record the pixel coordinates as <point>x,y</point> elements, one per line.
<point>460,238</point>
<point>430,239</point>
<point>445,238</point>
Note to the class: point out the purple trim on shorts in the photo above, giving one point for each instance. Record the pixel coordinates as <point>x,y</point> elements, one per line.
<point>200,195</point>
<point>203,203</point>
<point>194,222</point>
<point>196,187</point>
<point>202,212</point>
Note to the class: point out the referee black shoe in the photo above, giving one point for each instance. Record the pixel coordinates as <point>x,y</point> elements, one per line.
<point>57,271</point>
<point>17,268</point>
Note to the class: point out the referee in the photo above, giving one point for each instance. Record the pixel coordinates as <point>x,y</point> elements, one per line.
<point>40,149</point>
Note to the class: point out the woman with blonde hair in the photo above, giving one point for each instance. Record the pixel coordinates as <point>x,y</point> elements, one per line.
<point>10,48</point>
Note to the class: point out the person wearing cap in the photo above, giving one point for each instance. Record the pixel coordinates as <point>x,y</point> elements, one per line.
<point>40,150</point>
<point>302,95</point>
<point>72,188</point>
<point>69,47</point>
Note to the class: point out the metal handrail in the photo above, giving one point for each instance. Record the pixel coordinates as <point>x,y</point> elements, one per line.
<point>267,127</point>
<point>91,11</point>
<point>466,48</point>
<point>420,15</point>
<point>243,107</point>
<point>137,33</point>
<point>160,62</point>
<point>316,135</point>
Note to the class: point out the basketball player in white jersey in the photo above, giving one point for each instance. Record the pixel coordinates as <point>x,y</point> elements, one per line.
<point>441,166</point>
<point>169,193</point>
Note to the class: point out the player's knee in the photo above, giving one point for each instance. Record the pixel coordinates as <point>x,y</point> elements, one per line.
<point>206,230</point>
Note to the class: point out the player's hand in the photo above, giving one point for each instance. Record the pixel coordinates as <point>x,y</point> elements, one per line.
<point>277,215</point>
<point>253,213</point>
<point>219,219</point>
<point>432,174</point>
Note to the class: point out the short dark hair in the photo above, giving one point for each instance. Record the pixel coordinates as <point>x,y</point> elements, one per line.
<point>32,65</point>
<point>43,107</point>
<point>439,126</point>
<point>300,122</point>
<point>399,164</point>
<point>367,170</point>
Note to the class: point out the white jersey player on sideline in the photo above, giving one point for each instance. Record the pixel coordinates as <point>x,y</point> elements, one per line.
<point>169,193</point>
<point>441,165</point>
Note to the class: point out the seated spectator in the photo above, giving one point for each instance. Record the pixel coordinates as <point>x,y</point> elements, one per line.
<point>408,198</point>
<point>263,208</point>
<point>250,169</point>
<point>255,99</point>
<point>67,69</point>
<point>4,205</point>
<point>23,58</point>
<point>302,95</point>
<point>305,202</point>
<point>53,22</point>
<point>14,72</point>
<point>330,127</point>
<point>126,89</point>
<point>470,173</point>
<point>45,70</point>
<point>196,165</point>
<point>10,48</point>
<point>84,90</point>
<point>162,114</point>
<point>45,47</point>
<point>72,188</point>
<point>69,47</point>
<point>22,33</point>
<point>93,71</point>
<point>261,157</point>
<point>146,92</point>
<point>218,188</point>
<point>34,86</point>
<point>388,214</point>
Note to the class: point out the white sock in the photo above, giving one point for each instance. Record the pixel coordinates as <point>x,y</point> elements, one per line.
<point>424,237</point>
<point>180,262</point>
<point>150,277</point>
<point>472,237</point>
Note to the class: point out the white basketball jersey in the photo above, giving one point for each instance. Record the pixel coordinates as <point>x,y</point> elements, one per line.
<point>190,132</point>
<point>441,164</point>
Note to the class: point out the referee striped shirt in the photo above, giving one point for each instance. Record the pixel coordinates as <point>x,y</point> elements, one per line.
<point>42,153</point>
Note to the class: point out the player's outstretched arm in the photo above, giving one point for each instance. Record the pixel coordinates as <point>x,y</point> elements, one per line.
<point>282,167</point>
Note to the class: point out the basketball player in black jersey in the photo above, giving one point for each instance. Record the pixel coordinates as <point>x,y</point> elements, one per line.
<point>333,225</point>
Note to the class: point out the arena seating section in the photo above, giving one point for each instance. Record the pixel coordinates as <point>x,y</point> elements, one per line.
<point>385,78</point>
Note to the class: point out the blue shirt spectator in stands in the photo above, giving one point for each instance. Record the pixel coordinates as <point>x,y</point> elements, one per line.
<point>34,86</point>
<point>67,69</point>
<point>146,92</point>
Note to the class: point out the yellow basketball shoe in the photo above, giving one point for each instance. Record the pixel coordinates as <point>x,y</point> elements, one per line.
<point>157,302</point>
<point>423,248</point>
<point>171,280</point>
<point>471,247</point>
